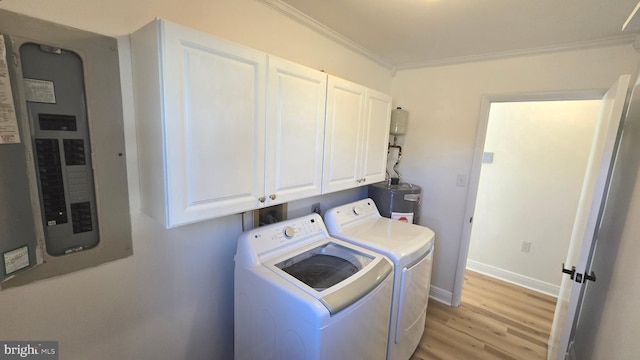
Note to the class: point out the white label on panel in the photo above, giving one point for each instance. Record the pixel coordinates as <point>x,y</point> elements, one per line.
<point>41,91</point>
<point>404,217</point>
<point>412,197</point>
<point>8,123</point>
<point>15,260</point>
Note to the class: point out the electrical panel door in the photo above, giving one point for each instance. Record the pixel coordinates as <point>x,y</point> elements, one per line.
<point>64,203</point>
<point>18,239</point>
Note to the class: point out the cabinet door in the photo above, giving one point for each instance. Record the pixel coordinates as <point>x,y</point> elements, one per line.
<point>344,130</point>
<point>376,137</point>
<point>296,98</point>
<point>214,96</point>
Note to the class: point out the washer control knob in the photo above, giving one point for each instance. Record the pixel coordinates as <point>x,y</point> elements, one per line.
<point>357,210</point>
<point>289,232</point>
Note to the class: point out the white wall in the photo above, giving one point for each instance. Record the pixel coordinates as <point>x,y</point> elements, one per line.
<point>530,191</point>
<point>173,299</point>
<point>444,107</point>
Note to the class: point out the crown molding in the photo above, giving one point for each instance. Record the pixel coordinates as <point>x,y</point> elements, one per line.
<point>613,41</point>
<point>311,23</point>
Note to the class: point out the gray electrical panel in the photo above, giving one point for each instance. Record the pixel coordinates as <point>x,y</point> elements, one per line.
<point>64,202</point>
<point>54,90</point>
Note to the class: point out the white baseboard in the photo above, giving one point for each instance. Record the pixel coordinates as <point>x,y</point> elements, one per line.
<point>440,295</point>
<point>511,277</point>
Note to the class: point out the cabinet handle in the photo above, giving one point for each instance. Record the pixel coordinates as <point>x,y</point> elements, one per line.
<point>262,199</point>
<point>272,196</point>
<point>364,179</point>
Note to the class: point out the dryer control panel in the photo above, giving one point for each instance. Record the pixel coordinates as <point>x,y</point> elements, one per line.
<point>345,215</point>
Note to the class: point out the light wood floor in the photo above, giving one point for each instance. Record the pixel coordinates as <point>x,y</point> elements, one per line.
<point>496,320</point>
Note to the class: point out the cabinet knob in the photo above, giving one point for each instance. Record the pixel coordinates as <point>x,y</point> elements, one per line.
<point>262,199</point>
<point>364,179</point>
<point>272,196</point>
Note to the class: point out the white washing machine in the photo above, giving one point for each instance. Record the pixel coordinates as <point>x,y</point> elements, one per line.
<point>410,247</point>
<point>300,294</point>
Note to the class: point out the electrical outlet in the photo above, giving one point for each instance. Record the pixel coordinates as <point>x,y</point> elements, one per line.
<point>525,246</point>
<point>315,208</point>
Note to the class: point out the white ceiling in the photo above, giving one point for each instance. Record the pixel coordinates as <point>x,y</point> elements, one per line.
<point>408,33</point>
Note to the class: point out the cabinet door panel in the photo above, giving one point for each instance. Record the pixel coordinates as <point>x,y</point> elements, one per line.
<point>345,115</point>
<point>217,118</point>
<point>214,105</point>
<point>295,130</point>
<point>378,113</point>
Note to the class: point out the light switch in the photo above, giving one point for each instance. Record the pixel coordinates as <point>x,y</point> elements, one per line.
<point>487,157</point>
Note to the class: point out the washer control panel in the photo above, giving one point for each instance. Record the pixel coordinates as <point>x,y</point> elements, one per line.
<point>271,237</point>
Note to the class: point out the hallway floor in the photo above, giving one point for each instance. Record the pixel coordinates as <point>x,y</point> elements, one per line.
<point>496,320</point>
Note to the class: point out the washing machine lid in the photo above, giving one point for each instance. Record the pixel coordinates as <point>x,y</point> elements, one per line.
<point>336,273</point>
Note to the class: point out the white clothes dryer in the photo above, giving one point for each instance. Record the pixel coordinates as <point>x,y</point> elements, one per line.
<point>410,247</point>
<point>300,294</point>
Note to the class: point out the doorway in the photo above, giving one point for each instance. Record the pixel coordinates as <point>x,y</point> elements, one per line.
<point>483,123</point>
<point>584,235</point>
<point>534,160</point>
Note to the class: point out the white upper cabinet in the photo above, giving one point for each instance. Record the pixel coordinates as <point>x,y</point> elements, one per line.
<point>344,132</point>
<point>200,111</point>
<point>295,131</point>
<point>376,141</point>
<point>224,129</point>
<point>357,135</point>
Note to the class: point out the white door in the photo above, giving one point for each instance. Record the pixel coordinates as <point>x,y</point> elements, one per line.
<point>344,130</point>
<point>376,137</point>
<point>587,217</point>
<point>296,97</point>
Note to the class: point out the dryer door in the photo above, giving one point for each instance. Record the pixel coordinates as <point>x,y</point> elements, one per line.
<point>414,296</point>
